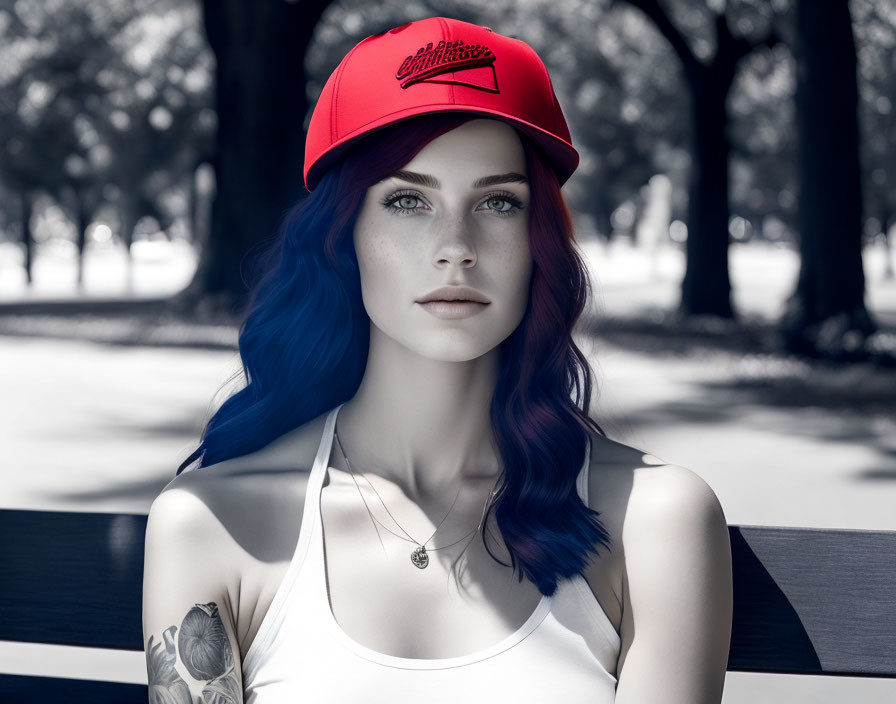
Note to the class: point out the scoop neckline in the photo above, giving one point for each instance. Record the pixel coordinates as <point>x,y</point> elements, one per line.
<point>512,639</point>
<point>530,624</point>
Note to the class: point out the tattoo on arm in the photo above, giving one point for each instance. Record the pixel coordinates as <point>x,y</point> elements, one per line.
<point>205,653</point>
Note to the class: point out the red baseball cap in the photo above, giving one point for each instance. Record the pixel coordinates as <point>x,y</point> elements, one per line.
<point>432,65</point>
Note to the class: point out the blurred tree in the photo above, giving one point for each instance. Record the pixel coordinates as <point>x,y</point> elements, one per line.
<point>154,117</point>
<point>874,25</point>
<point>763,145</point>
<point>48,141</point>
<point>706,288</point>
<point>117,111</point>
<point>623,108</point>
<point>101,102</point>
<point>826,314</point>
<point>261,104</point>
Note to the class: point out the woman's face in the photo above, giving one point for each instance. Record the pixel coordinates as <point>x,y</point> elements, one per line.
<point>431,225</point>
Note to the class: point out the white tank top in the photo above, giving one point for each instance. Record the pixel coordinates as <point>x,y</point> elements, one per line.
<point>565,651</point>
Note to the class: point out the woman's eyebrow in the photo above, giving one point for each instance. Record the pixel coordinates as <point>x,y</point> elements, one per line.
<point>511,177</point>
<point>432,182</point>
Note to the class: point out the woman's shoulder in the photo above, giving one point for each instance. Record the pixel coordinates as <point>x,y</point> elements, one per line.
<point>231,527</point>
<point>290,453</point>
<point>641,498</point>
<point>671,550</point>
<point>244,499</point>
<point>630,480</point>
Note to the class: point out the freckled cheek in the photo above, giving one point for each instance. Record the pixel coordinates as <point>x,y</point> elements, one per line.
<point>518,259</point>
<point>385,266</point>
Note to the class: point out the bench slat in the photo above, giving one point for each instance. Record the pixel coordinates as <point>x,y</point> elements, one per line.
<point>54,690</point>
<point>812,601</point>
<point>72,578</point>
<point>806,601</point>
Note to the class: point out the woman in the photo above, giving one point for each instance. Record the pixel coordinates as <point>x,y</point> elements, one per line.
<point>401,505</point>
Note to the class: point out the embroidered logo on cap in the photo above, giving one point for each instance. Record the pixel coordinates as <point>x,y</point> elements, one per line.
<point>454,63</point>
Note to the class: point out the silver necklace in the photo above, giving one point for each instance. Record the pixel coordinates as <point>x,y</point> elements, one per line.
<point>419,558</point>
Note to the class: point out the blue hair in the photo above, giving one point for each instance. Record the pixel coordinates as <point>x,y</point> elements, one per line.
<point>305,336</point>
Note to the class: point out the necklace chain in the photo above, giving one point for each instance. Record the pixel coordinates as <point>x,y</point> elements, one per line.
<point>419,557</point>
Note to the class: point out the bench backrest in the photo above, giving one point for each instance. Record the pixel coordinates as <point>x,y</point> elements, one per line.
<point>806,601</point>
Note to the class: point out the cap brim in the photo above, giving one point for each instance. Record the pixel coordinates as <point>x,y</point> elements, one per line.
<point>561,154</point>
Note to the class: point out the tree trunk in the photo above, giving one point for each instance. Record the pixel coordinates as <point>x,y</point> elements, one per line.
<point>129,217</point>
<point>193,205</point>
<point>82,220</point>
<point>27,235</point>
<point>706,288</point>
<point>826,315</point>
<point>886,219</point>
<point>261,106</point>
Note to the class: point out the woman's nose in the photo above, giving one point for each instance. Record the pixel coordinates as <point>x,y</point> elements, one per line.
<point>460,256</point>
<point>456,245</point>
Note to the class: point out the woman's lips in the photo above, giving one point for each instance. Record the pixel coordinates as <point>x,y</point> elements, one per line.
<point>453,310</point>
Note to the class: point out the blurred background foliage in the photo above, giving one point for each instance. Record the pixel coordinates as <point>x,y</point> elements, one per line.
<point>106,114</point>
<point>184,120</point>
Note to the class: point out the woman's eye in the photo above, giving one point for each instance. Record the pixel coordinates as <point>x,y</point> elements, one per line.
<point>401,203</point>
<point>503,205</point>
<point>496,203</point>
<point>406,202</point>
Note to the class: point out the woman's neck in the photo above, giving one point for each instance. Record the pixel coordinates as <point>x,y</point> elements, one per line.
<point>422,423</point>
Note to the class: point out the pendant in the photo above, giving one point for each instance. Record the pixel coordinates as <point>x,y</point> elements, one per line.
<point>420,558</point>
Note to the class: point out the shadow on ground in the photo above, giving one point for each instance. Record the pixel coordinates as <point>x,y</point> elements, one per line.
<point>761,387</point>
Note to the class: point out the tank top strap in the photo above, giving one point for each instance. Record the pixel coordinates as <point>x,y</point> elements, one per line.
<point>582,479</point>
<point>270,624</point>
<point>321,460</point>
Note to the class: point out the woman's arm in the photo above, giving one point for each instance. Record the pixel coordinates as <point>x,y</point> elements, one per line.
<point>192,655</point>
<point>677,591</point>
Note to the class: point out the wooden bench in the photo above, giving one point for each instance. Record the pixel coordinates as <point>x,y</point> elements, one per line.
<point>806,601</point>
